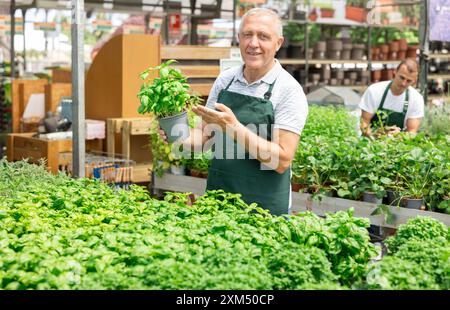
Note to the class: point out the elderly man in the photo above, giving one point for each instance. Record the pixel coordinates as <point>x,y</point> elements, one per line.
<point>394,104</point>
<point>254,116</point>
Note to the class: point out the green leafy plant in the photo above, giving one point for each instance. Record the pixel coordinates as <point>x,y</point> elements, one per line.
<point>167,94</point>
<point>294,32</point>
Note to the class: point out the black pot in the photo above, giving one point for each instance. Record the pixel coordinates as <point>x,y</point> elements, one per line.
<point>392,197</point>
<point>412,203</point>
<point>372,198</point>
<point>296,51</point>
<point>282,53</point>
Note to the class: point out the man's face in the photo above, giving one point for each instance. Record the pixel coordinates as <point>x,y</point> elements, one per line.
<point>258,41</point>
<point>403,79</point>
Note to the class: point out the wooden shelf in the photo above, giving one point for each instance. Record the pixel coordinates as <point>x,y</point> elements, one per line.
<point>439,56</point>
<point>439,76</point>
<point>336,61</point>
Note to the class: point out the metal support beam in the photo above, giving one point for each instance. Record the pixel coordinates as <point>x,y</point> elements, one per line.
<point>24,13</point>
<point>233,40</point>
<point>166,23</point>
<point>13,33</point>
<point>78,120</point>
<point>424,49</point>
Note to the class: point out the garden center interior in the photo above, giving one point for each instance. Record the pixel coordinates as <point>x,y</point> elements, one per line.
<point>94,196</point>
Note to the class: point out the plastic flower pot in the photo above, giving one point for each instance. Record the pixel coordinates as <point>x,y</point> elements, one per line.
<point>372,198</point>
<point>394,46</point>
<point>334,55</point>
<point>195,173</point>
<point>412,51</point>
<point>384,48</point>
<point>392,197</point>
<point>175,127</point>
<point>355,13</point>
<point>282,53</point>
<point>178,170</point>
<point>334,45</point>
<point>411,203</point>
<point>401,55</point>
<point>376,75</point>
<point>326,13</point>
<point>357,51</point>
<point>403,45</point>
<point>320,46</point>
<point>296,50</point>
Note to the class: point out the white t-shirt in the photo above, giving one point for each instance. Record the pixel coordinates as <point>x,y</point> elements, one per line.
<point>288,99</point>
<point>371,101</point>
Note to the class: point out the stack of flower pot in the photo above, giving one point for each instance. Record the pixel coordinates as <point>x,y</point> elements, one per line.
<point>363,77</point>
<point>296,50</point>
<point>334,48</point>
<point>319,50</point>
<point>346,51</point>
<point>393,50</point>
<point>387,74</point>
<point>350,77</point>
<point>314,78</point>
<point>384,52</point>
<point>375,53</point>
<point>325,73</point>
<point>403,48</point>
<point>376,76</point>
<point>411,52</point>
<point>337,77</point>
<point>357,51</point>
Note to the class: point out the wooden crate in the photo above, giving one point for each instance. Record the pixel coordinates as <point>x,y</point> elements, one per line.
<point>53,94</point>
<point>134,136</point>
<point>61,75</point>
<point>57,153</point>
<point>21,92</point>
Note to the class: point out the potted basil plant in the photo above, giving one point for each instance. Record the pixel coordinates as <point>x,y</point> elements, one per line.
<point>167,97</point>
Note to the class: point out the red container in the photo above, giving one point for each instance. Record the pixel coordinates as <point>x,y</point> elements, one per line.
<point>355,13</point>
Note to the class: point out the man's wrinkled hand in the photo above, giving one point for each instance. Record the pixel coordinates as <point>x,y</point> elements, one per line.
<point>224,117</point>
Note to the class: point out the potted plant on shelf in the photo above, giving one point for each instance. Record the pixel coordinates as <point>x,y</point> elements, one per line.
<point>356,10</point>
<point>295,36</point>
<point>167,97</point>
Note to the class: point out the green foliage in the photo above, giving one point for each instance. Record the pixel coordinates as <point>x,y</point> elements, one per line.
<point>167,94</point>
<point>422,228</point>
<point>62,233</point>
<point>294,32</point>
<point>432,255</point>
<point>436,121</point>
<point>393,273</point>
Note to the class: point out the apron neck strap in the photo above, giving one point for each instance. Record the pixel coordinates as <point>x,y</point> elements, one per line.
<point>267,95</point>
<point>385,94</point>
<point>406,103</point>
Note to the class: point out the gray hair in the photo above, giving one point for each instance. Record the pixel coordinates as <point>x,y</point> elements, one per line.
<point>266,12</point>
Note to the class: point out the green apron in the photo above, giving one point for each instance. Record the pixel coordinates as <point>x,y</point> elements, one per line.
<point>393,117</point>
<point>269,189</point>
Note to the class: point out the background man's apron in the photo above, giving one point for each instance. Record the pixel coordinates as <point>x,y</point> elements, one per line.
<point>269,189</point>
<point>393,117</point>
